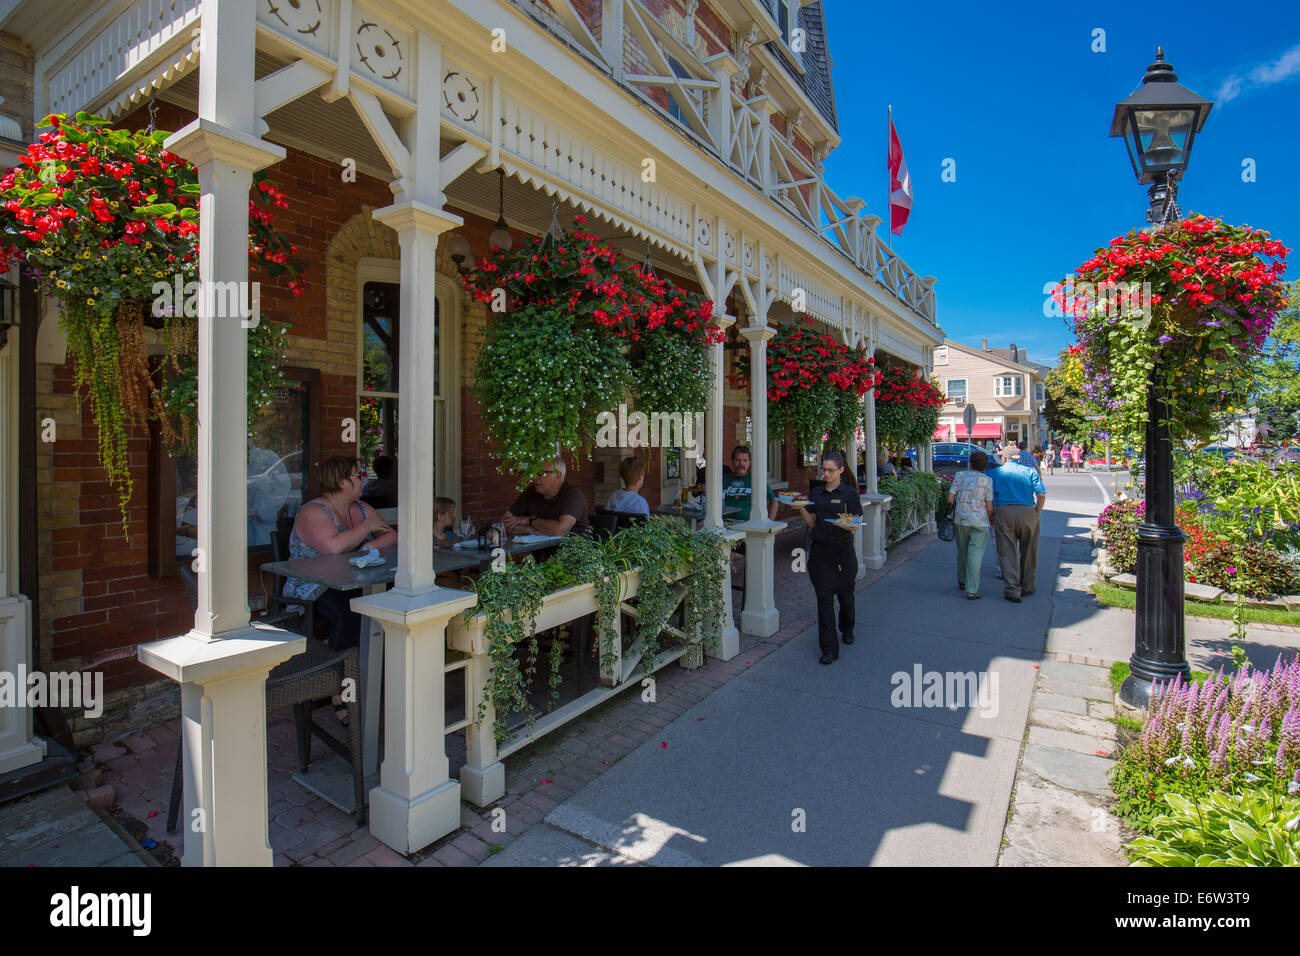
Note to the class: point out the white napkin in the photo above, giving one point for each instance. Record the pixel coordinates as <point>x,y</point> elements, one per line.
<point>470,543</point>
<point>370,559</point>
<point>534,538</point>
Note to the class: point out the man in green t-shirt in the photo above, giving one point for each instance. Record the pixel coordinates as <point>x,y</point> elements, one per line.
<point>736,491</point>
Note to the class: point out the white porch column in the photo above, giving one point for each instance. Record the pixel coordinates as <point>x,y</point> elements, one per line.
<point>873,554</point>
<point>859,534</point>
<point>416,801</point>
<point>19,746</point>
<point>729,643</point>
<point>417,226</point>
<point>760,616</point>
<point>222,664</point>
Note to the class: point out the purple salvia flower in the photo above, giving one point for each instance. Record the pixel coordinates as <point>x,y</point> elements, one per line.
<point>1187,736</point>
<point>1280,760</point>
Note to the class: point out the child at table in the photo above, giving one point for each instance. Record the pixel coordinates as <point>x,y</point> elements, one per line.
<point>444,522</point>
<point>627,500</point>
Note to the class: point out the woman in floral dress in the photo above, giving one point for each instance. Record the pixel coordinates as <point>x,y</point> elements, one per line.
<point>972,497</point>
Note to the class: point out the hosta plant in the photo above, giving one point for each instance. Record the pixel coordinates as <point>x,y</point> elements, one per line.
<point>1254,828</point>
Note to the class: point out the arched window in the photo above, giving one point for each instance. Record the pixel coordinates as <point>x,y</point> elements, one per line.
<point>379,361</point>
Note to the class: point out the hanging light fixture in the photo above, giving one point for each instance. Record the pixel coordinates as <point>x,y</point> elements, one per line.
<point>500,238</point>
<point>459,251</point>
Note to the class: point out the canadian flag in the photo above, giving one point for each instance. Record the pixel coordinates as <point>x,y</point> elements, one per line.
<point>900,183</point>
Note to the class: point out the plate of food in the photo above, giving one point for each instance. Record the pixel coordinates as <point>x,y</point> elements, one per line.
<point>798,501</point>
<point>848,521</point>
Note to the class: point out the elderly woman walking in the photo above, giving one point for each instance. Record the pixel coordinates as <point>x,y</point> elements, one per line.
<point>972,495</point>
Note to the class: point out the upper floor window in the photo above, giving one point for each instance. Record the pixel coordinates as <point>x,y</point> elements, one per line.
<point>1005,386</point>
<point>786,15</point>
<point>1039,392</point>
<point>941,355</point>
<point>956,389</point>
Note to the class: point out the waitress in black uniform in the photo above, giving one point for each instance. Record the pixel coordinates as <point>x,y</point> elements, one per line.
<point>833,563</point>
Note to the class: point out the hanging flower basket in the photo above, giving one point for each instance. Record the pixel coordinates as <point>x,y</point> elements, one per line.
<point>814,384</point>
<point>574,329</point>
<point>107,221</point>
<point>907,408</point>
<point>1194,299</point>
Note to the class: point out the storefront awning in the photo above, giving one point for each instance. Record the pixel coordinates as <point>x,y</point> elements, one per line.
<point>958,432</point>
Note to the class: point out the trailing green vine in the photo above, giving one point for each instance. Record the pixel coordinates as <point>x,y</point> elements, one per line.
<point>668,554</point>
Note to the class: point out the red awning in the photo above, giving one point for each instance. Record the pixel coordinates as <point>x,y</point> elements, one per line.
<point>982,430</point>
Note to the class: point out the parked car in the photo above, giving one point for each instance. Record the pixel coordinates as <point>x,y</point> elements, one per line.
<point>950,457</point>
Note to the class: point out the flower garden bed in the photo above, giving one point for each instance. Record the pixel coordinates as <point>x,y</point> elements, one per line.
<point>1213,776</point>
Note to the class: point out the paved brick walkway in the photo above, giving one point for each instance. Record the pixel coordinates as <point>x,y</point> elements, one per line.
<point>307,831</point>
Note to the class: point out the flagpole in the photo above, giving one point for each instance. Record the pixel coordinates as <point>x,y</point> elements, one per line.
<point>889,190</point>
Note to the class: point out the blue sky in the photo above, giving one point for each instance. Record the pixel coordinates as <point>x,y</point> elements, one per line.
<point>1014,93</point>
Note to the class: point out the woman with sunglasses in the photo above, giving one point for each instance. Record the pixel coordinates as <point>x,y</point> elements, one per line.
<point>335,523</point>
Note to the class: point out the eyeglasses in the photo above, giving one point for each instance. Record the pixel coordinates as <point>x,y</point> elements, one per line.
<point>359,474</point>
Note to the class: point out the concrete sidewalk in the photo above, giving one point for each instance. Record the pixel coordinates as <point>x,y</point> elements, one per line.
<point>793,763</point>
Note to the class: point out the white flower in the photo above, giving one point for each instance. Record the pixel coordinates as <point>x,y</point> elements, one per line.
<point>1189,763</point>
<point>1252,778</point>
<point>1293,823</point>
<point>1173,760</point>
<point>1292,788</point>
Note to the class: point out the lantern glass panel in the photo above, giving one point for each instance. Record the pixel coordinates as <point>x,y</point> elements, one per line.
<point>1163,136</point>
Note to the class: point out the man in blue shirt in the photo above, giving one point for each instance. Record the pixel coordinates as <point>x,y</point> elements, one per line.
<point>1018,499</point>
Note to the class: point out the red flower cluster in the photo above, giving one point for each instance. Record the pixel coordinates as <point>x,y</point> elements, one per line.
<point>1199,261</point>
<point>84,185</point>
<point>801,357</point>
<point>589,276</point>
<point>901,387</point>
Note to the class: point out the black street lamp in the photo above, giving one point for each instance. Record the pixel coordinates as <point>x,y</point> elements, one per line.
<point>1158,123</point>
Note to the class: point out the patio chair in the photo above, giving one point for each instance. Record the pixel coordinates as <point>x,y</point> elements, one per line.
<point>602,525</point>
<point>277,605</point>
<point>301,683</point>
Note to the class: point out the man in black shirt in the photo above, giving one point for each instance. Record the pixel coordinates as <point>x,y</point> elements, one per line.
<point>833,563</point>
<point>550,505</point>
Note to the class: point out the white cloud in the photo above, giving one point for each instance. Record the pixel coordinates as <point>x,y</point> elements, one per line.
<point>1287,66</point>
<point>1230,90</point>
<point>1284,68</point>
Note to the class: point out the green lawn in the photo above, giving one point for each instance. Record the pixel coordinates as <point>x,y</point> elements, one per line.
<point>1119,674</point>
<point>1113,596</point>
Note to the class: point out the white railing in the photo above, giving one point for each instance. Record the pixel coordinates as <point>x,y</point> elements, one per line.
<point>739,131</point>
<point>622,664</point>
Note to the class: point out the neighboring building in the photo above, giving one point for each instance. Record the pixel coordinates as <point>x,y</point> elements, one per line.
<point>1006,389</point>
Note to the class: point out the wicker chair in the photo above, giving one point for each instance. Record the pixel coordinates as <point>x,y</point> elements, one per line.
<point>303,682</point>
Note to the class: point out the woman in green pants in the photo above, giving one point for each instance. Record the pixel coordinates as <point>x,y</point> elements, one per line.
<point>972,497</point>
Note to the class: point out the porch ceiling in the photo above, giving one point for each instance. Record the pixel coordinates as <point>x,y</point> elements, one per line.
<point>332,131</point>
<point>529,210</point>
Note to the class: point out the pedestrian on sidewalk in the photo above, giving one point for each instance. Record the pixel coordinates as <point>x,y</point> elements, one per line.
<point>832,563</point>
<point>1018,499</point>
<point>972,495</point>
<point>1027,457</point>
